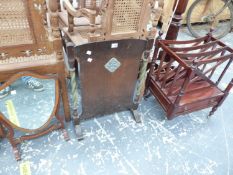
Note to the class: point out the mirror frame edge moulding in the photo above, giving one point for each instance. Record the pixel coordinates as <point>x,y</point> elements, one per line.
<point>33,133</point>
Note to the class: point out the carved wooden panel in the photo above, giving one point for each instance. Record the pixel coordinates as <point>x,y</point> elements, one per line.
<point>26,59</point>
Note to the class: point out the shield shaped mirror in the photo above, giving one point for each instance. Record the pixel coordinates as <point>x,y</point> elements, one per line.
<point>29,103</point>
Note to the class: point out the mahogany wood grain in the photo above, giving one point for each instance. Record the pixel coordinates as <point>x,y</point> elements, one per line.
<point>102,91</point>
<point>29,134</point>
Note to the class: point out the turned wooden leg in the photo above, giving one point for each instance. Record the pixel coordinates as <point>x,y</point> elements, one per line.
<point>226,93</point>
<point>12,140</point>
<point>64,131</point>
<point>176,20</point>
<point>70,54</point>
<point>65,135</point>
<point>147,91</point>
<point>65,98</point>
<point>147,94</point>
<point>1,131</point>
<point>214,109</point>
<point>71,23</point>
<point>136,115</point>
<point>78,131</point>
<point>77,126</point>
<point>16,153</point>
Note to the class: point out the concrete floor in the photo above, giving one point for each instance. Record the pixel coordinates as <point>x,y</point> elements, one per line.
<point>116,145</point>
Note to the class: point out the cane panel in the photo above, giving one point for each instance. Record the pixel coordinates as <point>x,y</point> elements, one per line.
<point>14,23</point>
<point>126,15</point>
<point>88,3</point>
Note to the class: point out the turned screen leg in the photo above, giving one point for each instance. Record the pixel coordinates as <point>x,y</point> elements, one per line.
<point>65,98</point>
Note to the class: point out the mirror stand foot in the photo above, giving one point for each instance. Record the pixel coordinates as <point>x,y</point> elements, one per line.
<point>16,153</point>
<point>65,135</point>
<point>136,116</point>
<point>79,133</point>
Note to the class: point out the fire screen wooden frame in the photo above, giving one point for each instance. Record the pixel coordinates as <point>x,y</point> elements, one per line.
<point>108,76</point>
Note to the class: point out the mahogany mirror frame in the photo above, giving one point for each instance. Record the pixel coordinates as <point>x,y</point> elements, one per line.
<point>33,133</point>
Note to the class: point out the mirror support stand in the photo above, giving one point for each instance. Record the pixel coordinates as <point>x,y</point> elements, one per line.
<point>62,126</point>
<point>8,128</point>
<point>9,134</point>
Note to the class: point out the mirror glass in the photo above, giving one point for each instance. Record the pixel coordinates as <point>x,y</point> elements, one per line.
<point>30,102</point>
